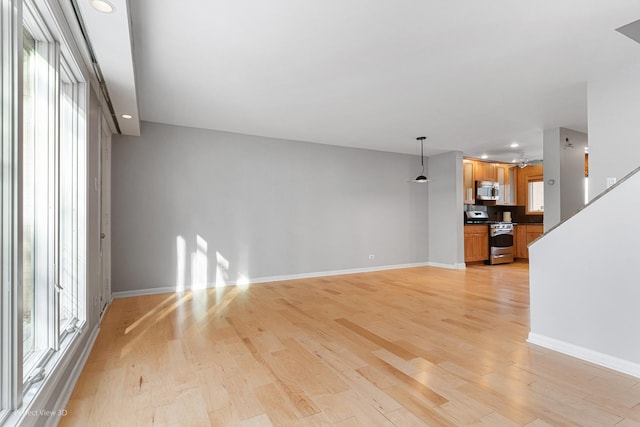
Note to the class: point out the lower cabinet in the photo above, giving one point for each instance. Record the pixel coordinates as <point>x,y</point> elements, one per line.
<point>476,243</point>
<point>520,241</point>
<point>533,232</point>
<point>525,234</point>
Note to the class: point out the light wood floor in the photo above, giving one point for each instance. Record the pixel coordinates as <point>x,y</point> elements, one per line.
<point>412,347</point>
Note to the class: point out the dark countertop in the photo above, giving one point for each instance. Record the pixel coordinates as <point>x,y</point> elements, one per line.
<point>489,222</point>
<point>500,222</point>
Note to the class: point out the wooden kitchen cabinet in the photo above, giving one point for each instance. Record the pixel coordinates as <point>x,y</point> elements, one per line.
<point>523,235</point>
<point>476,170</point>
<point>486,171</point>
<point>476,243</point>
<point>534,231</point>
<point>503,173</point>
<point>520,241</point>
<point>506,177</point>
<point>468,183</point>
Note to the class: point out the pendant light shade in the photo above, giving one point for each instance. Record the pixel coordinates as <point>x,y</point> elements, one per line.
<point>421,178</point>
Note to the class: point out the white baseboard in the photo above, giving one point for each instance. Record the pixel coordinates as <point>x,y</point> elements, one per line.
<point>456,266</point>
<point>611,362</point>
<point>140,292</point>
<point>152,291</point>
<point>65,393</point>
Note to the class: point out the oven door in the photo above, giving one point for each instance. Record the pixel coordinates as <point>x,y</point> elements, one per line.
<point>501,239</point>
<point>500,246</point>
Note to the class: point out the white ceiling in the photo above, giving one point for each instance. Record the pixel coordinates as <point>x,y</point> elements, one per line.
<point>110,37</point>
<point>470,75</point>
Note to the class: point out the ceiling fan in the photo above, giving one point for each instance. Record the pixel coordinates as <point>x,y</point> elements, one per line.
<point>524,162</point>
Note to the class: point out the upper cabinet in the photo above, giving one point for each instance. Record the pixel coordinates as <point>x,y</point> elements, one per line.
<point>506,177</point>
<point>502,173</point>
<point>468,184</point>
<point>486,171</point>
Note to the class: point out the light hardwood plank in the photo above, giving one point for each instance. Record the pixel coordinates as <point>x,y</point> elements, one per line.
<point>410,347</point>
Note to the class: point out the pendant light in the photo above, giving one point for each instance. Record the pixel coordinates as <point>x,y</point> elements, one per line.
<point>421,178</point>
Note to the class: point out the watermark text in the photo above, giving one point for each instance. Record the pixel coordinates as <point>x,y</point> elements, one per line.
<point>46,413</point>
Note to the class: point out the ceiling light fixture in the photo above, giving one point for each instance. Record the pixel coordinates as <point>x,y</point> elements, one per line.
<point>102,6</point>
<point>484,156</point>
<point>421,178</point>
<point>127,116</point>
<point>514,145</point>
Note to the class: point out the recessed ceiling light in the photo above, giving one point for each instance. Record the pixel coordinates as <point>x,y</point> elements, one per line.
<point>484,156</point>
<point>514,145</point>
<point>102,6</point>
<point>127,116</point>
<point>514,161</point>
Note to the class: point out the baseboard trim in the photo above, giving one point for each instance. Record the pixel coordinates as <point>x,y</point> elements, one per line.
<point>65,393</point>
<point>141,292</point>
<point>162,290</point>
<point>586,354</point>
<point>455,266</point>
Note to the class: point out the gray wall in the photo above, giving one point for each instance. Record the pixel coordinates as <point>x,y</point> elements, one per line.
<point>552,196</point>
<point>564,165</point>
<point>253,207</point>
<point>446,228</point>
<point>614,126</point>
<point>571,172</point>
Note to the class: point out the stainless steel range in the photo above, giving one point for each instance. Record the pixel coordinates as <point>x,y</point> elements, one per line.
<point>500,243</point>
<point>500,236</point>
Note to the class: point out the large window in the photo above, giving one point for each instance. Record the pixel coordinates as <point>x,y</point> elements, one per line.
<point>52,217</point>
<point>42,201</point>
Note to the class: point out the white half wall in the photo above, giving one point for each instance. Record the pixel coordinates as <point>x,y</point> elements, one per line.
<point>194,208</point>
<point>614,126</point>
<point>584,282</point>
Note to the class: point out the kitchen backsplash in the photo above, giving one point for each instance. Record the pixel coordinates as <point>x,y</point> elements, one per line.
<point>518,213</point>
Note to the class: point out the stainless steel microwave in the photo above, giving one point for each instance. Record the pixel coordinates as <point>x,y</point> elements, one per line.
<point>487,190</point>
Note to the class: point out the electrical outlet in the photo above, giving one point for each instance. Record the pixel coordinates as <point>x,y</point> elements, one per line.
<point>372,256</point>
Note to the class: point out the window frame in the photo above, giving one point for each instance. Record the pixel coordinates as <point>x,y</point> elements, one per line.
<point>73,133</point>
<point>530,180</point>
<point>10,206</point>
<point>46,229</point>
